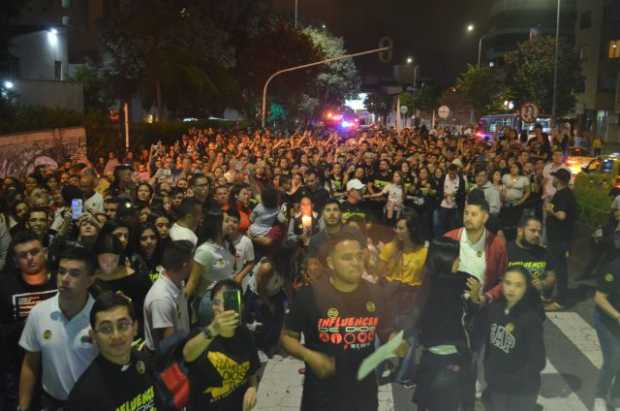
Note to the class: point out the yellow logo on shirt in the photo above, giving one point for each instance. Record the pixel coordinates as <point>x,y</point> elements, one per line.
<point>233,374</point>
<point>332,313</point>
<point>371,307</point>
<point>140,367</point>
<point>47,334</point>
<point>510,327</point>
<point>609,277</point>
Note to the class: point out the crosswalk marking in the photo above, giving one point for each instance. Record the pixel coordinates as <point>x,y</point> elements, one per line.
<point>580,334</point>
<point>567,401</point>
<point>281,387</point>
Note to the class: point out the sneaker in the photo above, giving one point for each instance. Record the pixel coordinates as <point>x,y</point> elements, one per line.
<point>599,405</point>
<point>479,390</point>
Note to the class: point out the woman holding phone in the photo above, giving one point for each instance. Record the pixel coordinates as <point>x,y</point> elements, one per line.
<point>222,358</point>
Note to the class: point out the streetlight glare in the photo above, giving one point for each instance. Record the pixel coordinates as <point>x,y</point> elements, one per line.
<point>470,27</point>
<point>8,85</point>
<point>409,60</point>
<point>52,37</point>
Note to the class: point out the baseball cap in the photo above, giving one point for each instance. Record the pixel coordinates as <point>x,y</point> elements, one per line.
<point>355,184</point>
<point>562,174</point>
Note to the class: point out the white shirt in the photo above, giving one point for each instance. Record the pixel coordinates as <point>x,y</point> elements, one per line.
<point>64,345</point>
<point>472,256</point>
<point>94,202</point>
<point>451,187</point>
<point>178,233</point>
<point>244,252</point>
<point>165,306</point>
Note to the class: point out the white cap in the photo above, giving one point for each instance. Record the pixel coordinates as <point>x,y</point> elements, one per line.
<point>355,184</point>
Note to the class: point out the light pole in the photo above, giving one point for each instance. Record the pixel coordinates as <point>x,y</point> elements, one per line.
<point>304,66</point>
<point>556,58</point>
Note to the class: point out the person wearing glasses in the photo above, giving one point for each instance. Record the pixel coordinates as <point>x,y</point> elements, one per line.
<point>22,288</point>
<point>56,337</point>
<point>119,378</point>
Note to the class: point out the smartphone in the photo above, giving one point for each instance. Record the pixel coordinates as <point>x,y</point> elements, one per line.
<point>77,208</point>
<point>232,301</point>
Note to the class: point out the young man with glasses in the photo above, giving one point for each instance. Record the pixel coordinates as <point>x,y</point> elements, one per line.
<point>119,378</point>
<point>23,288</point>
<point>56,337</point>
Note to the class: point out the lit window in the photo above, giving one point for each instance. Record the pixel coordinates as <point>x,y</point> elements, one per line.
<point>614,49</point>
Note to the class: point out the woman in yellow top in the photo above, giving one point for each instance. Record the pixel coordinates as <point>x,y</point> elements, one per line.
<point>401,264</point>
<point>402,259</point>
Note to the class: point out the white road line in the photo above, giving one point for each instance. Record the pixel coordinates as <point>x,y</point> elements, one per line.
<point>281,387</point>
<point>580,334</point>
<point>569,402</point>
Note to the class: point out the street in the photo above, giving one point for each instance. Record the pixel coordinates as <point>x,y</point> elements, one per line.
<point>568,381</point>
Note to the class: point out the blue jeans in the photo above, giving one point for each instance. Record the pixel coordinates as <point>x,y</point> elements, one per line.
<point>610,348</point>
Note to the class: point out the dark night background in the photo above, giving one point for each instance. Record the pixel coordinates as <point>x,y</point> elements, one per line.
<point>431,30</point>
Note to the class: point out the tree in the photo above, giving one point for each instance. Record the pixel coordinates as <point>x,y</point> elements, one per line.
<point>276,46</point>
<point>529,74</point>
<point>174,52</point>
<point>426,98</point>
<point>336,80</point>
<point>482,88</point>
<point>96,95</point>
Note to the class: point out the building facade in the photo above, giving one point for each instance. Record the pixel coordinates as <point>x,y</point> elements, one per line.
<point>597,38</point>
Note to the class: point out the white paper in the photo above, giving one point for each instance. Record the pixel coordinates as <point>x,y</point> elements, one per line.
<point>385,352</point>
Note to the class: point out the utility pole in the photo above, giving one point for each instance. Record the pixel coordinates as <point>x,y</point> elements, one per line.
<point>556,58</point>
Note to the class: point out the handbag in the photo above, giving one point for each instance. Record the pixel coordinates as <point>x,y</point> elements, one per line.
<point>171,372</point>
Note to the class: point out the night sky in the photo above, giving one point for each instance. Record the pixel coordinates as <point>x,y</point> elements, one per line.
<point>431,30</point>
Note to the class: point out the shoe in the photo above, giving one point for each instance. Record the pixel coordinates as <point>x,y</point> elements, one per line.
<point>479,390</point>
<point>599,405</point>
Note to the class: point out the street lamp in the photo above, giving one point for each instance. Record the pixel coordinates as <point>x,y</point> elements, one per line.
<point>409,60</point>
<point>8,84</point>
<point>470,28</point>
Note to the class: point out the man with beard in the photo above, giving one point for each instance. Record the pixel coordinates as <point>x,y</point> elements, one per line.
<point>527,252</point>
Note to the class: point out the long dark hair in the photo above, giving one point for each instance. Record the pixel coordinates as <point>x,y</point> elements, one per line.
<point>441,256</point>
<point>531,298</point>
<point>413,227</point>
<point>156,257</point>
<point>211,228</point>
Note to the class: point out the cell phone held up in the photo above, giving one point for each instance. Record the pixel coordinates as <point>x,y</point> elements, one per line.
<point>77,208</point>
<point>232,301</point>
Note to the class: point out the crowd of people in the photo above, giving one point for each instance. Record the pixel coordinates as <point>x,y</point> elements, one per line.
<point>225,248</point>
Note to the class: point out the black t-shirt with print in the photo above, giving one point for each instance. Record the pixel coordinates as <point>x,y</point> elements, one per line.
<point>609,284</point>
<point>220,377</point>
<point>344,326</point>
<point>106,386</point>
<point>17,298</point>
<point>534,259</point>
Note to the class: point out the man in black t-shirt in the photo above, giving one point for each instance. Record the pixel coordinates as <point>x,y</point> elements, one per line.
<point>119,378</point>
<point>526,252</point>
<point>561,214</point>
<point>339,316</point>
<point>19,293</point>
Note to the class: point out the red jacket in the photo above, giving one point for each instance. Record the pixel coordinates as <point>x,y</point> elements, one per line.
<point>496,261</point>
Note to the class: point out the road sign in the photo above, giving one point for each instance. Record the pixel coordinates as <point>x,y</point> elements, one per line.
<point>404,109</point>
<point>529,112</point>
<point>443,112</point>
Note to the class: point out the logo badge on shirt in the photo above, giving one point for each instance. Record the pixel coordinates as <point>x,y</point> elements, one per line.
<point>609,277</point>
<point>47,334</point>
<point>371,307</point>
<point>510,327</point>
<point>140,367</point>
<point>332,313</point>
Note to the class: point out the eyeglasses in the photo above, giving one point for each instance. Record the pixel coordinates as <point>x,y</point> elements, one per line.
<point>122,326</point>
